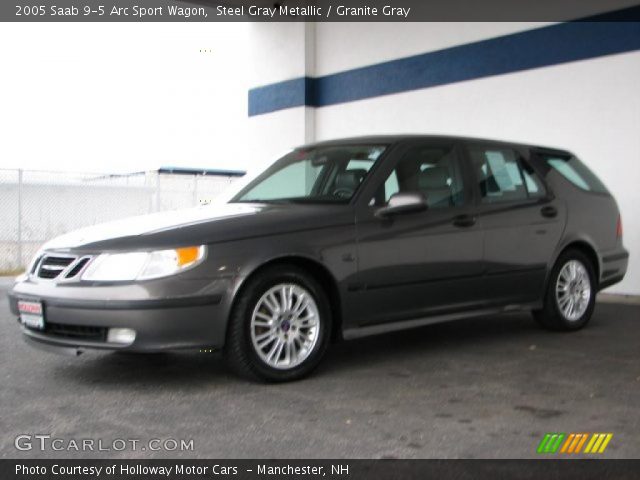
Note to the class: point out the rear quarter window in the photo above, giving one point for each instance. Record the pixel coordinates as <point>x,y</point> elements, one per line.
<point>576,172</point>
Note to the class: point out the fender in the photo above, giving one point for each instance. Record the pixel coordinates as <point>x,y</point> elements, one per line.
<point>573,238</point>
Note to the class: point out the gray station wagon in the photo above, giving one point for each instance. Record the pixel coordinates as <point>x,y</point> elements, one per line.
<point>336,240</point>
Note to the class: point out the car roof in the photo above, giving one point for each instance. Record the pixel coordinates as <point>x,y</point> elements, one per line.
<point>392,139</point>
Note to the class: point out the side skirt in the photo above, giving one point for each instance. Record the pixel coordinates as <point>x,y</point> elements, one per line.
<point>358,332</point>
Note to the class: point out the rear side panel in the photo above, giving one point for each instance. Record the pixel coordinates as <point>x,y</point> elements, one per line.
<point>592,218</point>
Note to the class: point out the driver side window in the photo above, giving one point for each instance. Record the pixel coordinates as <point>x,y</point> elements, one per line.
<point>347,182</point>
<point>434,171</point>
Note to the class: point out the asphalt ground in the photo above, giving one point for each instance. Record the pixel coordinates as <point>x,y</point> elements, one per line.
<point>483,388</point>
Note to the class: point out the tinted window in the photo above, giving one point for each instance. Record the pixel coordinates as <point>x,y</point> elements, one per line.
<point>323,174</point>
<point>433,171</point>
<point>503,177</point>
<point>576,172</point>
<point>535,187</point>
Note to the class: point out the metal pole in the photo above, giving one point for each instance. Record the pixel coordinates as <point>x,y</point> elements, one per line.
<point>158,190</point>
<point>19,246</point>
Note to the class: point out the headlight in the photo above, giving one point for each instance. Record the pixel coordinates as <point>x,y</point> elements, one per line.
<point>114,267</point>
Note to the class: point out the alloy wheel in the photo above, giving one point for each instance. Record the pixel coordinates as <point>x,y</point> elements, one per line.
<point>573,290</point>
<point>285,326</point>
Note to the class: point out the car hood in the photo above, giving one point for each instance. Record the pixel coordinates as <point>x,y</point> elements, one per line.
<point>201,225</point>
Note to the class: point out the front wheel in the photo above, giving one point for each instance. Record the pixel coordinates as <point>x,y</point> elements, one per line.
<point>571,293</point>
<point>280,326</point>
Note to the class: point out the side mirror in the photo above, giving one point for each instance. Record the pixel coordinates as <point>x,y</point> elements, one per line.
<point>403,202</point>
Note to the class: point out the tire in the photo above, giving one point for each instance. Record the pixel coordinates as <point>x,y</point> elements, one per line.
<point>260,322</point>
<point>569,301</point>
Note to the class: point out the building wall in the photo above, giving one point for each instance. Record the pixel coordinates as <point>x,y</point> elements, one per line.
<point>343,46</point>
<point>590,106</point>
<point>281,52</point>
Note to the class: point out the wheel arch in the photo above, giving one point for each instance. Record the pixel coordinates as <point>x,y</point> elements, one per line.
<point>586,248</point>
<point>316,269</point>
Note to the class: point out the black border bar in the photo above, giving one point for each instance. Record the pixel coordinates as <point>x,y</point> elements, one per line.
<point>317,10</point>
<point>546,469</point>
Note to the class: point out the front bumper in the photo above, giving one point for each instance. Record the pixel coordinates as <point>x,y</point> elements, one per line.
<point>79,317</point>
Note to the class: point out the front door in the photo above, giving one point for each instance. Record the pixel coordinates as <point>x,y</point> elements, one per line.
<point>412,265</point>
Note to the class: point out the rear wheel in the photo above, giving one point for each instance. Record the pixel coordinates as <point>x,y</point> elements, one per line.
<point>571,292</point>
<point>280,326</point>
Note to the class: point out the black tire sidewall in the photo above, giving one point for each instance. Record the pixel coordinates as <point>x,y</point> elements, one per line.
<point>254,291</point>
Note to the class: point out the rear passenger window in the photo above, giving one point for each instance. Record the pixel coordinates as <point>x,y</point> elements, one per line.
<point>503,177</point>
<point>534,185</point>
<point>576,172</point>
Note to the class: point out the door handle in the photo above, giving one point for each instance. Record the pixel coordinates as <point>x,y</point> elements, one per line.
<point>464,220</point>
<point>549,211</point>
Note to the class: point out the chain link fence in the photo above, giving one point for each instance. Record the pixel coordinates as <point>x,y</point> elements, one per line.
<point>38,205</point>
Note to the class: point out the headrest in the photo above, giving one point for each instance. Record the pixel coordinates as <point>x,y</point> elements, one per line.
<point>433,178</point>
<point>350,179</point>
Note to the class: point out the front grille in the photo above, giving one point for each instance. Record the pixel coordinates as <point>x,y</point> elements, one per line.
<point>35,266</point>
<point>51,267</point>
<point>80,332</point>
<point>75,270</point>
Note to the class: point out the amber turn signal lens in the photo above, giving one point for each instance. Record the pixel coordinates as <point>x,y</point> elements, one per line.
<point>187,255</point>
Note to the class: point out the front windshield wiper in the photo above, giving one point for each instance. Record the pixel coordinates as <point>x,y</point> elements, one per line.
<point>319,200</point>
<point>258,200</point>
<point>305,200</point>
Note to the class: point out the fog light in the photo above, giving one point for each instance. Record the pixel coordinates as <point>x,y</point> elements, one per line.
<point>121,335</point>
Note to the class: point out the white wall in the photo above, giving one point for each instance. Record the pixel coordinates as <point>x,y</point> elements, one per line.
<point>280,51</point>
<point>122,97</point>
<point>591,107</point>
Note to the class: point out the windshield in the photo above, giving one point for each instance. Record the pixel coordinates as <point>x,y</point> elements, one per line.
<point>314,175</point>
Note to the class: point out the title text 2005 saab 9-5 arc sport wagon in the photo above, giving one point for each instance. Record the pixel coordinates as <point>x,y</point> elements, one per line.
<point>336,240</point>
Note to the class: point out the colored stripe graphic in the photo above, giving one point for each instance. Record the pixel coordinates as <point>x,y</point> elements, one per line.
<point>569,441</point>
<point>543,443</point>
<point>598,443</point>
<point>550,443</point>
<point>582,442</point>
<point>572,443</point>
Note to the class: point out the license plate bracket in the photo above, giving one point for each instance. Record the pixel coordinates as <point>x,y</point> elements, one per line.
<point>31,314</point>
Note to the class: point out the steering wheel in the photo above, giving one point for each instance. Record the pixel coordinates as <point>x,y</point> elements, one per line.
<point>343,192</point>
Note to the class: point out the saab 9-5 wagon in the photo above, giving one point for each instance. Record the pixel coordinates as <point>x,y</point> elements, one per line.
<point>336,240</point>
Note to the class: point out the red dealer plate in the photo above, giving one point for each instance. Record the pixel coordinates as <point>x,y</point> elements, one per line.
<point>31,314</point>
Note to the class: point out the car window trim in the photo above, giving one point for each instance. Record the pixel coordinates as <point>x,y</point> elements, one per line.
<point>373,173</point>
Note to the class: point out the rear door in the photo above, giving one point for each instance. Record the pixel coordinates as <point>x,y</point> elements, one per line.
<point>521,220</point>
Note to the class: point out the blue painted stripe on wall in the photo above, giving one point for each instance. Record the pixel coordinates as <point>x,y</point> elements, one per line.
<point>542,47</point>
<point>278,96</point>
